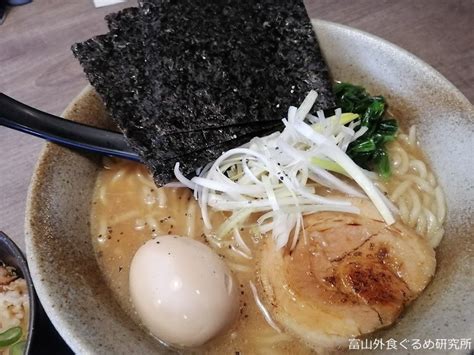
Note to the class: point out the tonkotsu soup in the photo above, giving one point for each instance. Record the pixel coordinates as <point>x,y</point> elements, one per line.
<point>129,210</point>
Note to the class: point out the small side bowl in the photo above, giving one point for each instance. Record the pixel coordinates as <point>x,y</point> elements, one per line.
<point>41,333</point>
<point>11,255</point>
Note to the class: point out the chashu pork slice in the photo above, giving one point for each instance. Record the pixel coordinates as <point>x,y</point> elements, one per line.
<point>349,276</point>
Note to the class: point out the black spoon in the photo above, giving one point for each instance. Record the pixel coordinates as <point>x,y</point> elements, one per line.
<point>23,118</point>
<point>18,116</point>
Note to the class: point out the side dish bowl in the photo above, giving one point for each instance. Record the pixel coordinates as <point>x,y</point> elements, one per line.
<point>59,248</point>
<point>11,255</point>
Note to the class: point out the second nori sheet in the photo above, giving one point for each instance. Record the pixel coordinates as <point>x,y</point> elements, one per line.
<point>174,67</point>
<point>114,64</point>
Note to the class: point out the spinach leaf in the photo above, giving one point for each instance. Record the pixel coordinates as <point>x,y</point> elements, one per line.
<point>368,151</point>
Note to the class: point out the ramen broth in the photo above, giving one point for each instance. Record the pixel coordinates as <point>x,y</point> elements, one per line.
<point>128,210</point>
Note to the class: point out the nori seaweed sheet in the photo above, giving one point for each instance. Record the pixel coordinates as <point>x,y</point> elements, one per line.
<point>113,64</point>
<point>231,61</point>
<point>131,85</point>
<point>188,80</point>
<point>199,158</point>
<point>123,19</point>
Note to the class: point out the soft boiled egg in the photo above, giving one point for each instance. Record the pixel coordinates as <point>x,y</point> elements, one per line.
<point>182,291</point>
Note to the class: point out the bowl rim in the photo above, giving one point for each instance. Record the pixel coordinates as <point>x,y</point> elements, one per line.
<point>59,322</point>
<point>43,296</point>
<point>424,66</point>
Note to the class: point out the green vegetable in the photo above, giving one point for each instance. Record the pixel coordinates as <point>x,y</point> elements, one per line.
<point>368,151</point>
<point>18,348</point>
<point>382,162</point>
<point>10,336</point>
<point>388,127</point>
<point>364,146</point>
<point>352,98</point>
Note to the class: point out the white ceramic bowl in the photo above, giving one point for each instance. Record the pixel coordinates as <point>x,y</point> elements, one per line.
<point>60,254</point>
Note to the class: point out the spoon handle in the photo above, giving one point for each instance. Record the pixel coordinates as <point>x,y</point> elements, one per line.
<point>23,118</point>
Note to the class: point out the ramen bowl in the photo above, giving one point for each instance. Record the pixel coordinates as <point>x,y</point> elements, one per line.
<point>60,253</point>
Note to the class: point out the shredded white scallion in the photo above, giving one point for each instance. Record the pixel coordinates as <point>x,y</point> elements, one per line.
<point>276,175</point>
